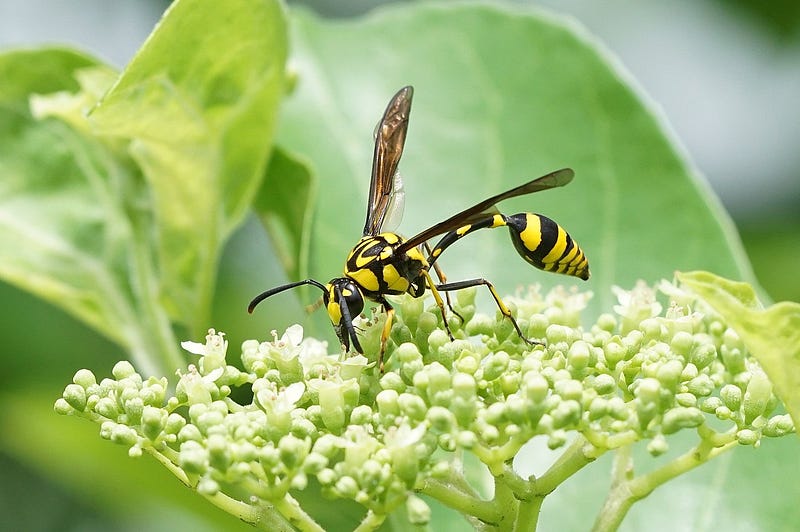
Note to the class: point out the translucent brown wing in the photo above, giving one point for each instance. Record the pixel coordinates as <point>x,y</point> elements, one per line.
<point>390,137</point>
<point>559,178</point>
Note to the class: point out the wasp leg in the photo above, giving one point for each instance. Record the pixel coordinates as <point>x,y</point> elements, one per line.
<point>502,306</point>
<point>387,330</point>
<point>442,280</point>
<point>439,302</point>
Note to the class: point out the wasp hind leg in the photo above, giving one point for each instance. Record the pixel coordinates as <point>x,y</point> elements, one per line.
<point>447,287</point>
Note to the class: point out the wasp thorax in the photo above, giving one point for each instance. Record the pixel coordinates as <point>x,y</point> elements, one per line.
<point>379,269</point>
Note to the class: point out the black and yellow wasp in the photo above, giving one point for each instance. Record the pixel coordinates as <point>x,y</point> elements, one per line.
<point>384,263</point>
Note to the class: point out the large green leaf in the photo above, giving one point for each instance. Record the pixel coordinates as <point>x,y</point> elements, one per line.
<point>199,104</point>
<point>502,95</point>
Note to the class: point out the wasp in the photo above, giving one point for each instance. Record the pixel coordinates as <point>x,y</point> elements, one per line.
<point>383,263</point>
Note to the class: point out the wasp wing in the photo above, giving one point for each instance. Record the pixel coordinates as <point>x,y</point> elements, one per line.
<point>559,178</point>
<point>390,137</point>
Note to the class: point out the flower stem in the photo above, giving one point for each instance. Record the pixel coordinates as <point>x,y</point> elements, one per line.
<point>625,492</point>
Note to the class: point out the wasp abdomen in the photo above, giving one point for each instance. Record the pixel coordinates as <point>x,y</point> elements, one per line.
<point>538,239</point>
<point>546,245</point>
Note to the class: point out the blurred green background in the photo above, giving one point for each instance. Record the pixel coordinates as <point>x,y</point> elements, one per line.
<point>726,75</point>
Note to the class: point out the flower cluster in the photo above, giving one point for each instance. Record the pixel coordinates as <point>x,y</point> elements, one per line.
<point>663,361</point>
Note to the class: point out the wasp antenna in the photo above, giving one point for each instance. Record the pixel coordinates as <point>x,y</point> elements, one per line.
<point>278,289</point>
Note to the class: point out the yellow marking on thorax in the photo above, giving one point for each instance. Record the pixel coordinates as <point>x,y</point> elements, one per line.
<point>366,279</point>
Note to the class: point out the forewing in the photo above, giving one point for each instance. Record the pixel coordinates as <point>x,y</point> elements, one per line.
<point>559,178</point>
<point>390,137</point>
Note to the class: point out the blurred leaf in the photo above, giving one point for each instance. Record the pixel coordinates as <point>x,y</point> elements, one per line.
<point>772,335</point>
<point>774,248</point>
<point>502,96</point>
<point>199,104</point>
<point>284,204</point>
<point>65,234</point>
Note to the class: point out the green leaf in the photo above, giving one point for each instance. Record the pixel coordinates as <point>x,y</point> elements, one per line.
<point>65,232</point>
<point>502,95</point>
<point>284,204</point>
<point>771,334</point>
<point>198,103</point>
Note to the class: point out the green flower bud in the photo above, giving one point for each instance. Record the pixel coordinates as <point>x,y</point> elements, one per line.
<point>174,423</point>
<point>569,389</point>
<point>207,486</point>
<point>419,513</point>
<point>598,408</point>
<point>190,433</point>
<point>604,384</point>
<point>361,415</point>
<point>75,396</point>
<point>118,433</point>
<point>293,451</point>
<point>62,407</point>
<point>437,339</point>
<point>731,395</point>
<point>535,387</point>
<point>733,358</point>
<point>670,373</point>
<point>614,353</point>
<point>682,343</point>
<point>84,378</point>
<point>412,406</point>
<point>756,396</point>
<point>566,414</point>
<point>327,477</point>
<point>686,399</point>
<point>466,439</point>
<point>709,405</point>
<point>779,426</point>
<point>658,445</point>
<point>387,401</point>
<point>153,422</point>
<point>681,418</point>
<point>703,354</point>
<point>122,370</point>
<point>648,390</point>
<point>107,408</point>
<point>480,325</point>
<point>193,458</point>
<point>467,363</point>
<point>556,439</point>
<point>617,408</point>
<point>578,356</point>
<point>315,463</point>
<point>347,487</point>
<point>441,419</point>
<point>393,381</point>
<point>747,437</point>
<point>723,412</point>
<point>701,386</point>
<point>428,321</point>
<point>218,457</point>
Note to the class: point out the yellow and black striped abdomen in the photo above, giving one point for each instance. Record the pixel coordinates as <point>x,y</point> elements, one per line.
<point>538,239</point>
<point>546,245</point>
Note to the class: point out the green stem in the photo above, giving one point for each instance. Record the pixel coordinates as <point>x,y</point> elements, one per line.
<point>454,497</point>
<point>290,509</point>
<point>627,491</point>
<point>506,504</point>
<point>528,515</point>
<point>370,522</point>
<point>579,454</point>
<point>265,517</point>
